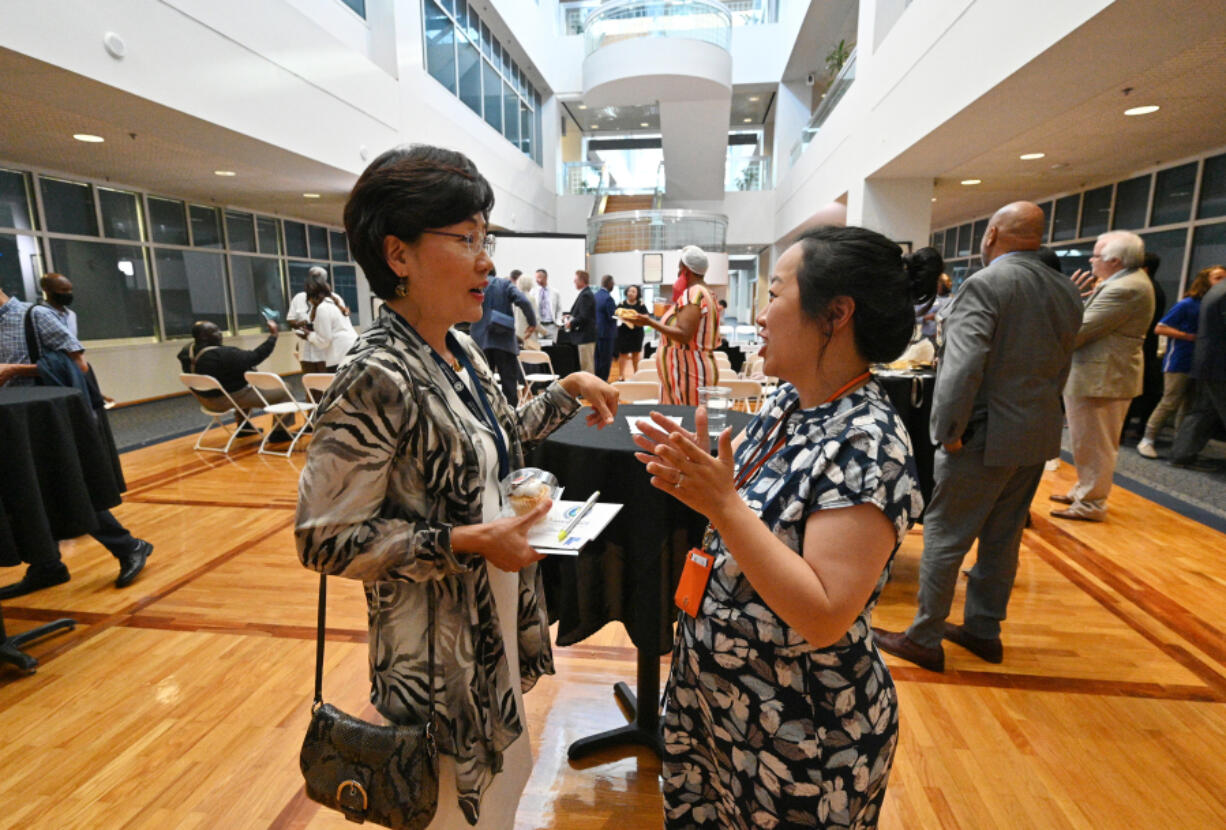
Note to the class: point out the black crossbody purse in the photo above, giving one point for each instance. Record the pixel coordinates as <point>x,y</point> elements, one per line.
<point>387,775</point>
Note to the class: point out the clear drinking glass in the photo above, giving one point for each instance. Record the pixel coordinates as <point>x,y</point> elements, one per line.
<point>717,400</point>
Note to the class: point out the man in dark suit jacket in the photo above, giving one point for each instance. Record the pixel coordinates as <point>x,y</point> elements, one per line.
<point>606,327</point>
<point>996,413</point>
<point>582,322</point>
<point>1209,371</point>
<point>495,332</point>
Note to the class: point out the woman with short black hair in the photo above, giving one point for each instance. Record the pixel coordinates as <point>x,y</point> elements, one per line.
<point>779,709</point>
<point>629,344</point>
<point>401,485</point>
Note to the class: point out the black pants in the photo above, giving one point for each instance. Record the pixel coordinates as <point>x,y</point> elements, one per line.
<point>110,534</point>
<point>507,367</point>
<point>604,357</point>
<point>1202,420</point>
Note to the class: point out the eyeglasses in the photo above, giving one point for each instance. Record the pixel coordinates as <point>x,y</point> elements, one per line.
<point>474,244</point>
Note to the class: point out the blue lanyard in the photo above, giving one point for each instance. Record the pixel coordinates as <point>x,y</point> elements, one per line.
<point>484,412</point>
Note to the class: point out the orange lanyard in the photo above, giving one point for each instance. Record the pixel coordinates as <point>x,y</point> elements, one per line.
<point>747,474</point>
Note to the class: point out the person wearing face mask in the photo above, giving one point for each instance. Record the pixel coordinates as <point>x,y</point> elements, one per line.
<point>57,296</point>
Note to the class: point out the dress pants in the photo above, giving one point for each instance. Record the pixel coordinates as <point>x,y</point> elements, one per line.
<point>604,357</point>
<point>587,356</point>
<point>971,500</point>
<point>1202,419</point>
<point>1174,402</point>
<point>507,367</point>
<point>1094,426</point>
<point>110,534</point>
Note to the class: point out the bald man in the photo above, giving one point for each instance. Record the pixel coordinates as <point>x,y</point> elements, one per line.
<point>1009,340</point>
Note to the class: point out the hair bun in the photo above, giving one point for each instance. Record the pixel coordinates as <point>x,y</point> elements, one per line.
<point>924,268</point>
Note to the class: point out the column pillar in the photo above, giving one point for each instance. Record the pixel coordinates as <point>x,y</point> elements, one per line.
<point>899,208</point>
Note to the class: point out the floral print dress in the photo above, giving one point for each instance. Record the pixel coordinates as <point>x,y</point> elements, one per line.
<point>762,729</point>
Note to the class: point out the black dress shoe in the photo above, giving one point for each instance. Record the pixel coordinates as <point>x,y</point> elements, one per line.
<point>131,564</point>
<point>989,650</point>
<point>35,580</point>
<point>900,645</point>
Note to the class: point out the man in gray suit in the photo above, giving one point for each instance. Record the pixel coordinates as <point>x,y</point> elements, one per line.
<point>996,413</point>
<point>1108,370</point>
<point>546,304</point>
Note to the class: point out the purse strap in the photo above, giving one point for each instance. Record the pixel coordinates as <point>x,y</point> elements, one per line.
<point>319,648</point>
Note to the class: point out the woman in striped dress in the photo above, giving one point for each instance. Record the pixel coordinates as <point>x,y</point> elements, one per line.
<point>691,333</point>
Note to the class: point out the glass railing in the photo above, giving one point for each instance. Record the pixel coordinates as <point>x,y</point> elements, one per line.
<point>582,177</point>
<point>748,173</point>
<point>573,14</point>
<point>830,99</point>
<point>707,20</point>
<point>656,230</point>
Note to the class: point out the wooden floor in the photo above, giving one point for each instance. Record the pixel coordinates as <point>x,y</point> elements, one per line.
<point>181,701</point>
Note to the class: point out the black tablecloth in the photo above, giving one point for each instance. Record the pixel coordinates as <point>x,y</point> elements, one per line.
<point>911,395</point>
<point>564,357</point>
<point>56,470</point>
<point>630,573</point>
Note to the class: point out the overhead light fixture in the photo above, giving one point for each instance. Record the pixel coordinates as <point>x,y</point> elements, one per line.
<point>1031,156</point>
<point>1146,110</point>
<point>310,195</point>
<point>754,98</point>
<point>88,139</point>
<point>970,182</point>
<point>583,106</point>
<point>934,198</point>
<point>747,120</point>
<point>642,123</point>
<point>224,173</point>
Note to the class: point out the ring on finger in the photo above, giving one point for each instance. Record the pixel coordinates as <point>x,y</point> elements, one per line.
<point>680,478</point>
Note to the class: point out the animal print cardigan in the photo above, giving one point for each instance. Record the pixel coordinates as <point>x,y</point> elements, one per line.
<point>390,469</point>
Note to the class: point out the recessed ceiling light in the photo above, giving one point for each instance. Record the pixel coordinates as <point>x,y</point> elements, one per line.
<point>747,120</point>
<point>969,182</point>
<point>88,139</point>
<point>310,195</point>
<point>754,98</point>
<point>583,106</point>
<point>224,173</point>
<point>1141,110</point>
<point>934,198</point>
<point>642,123</point>
<point>1031,156</point>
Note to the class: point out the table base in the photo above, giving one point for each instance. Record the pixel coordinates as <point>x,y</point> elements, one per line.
<point>10,647</point>
<point>644,726</point>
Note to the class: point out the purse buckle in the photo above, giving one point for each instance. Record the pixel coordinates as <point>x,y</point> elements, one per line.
<point>347,798</point>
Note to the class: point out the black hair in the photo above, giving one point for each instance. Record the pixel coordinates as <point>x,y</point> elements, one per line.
<point>1048,257</point>
<point>1151,263</point>
<point>872,271</point>
<point>607,282</point>
<point>403,192</point>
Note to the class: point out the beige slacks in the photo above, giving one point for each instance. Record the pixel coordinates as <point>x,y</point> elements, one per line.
<point>1094,426</point>
<point>587,357</point>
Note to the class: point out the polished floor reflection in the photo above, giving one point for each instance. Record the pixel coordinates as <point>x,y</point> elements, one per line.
<point>181,701</point>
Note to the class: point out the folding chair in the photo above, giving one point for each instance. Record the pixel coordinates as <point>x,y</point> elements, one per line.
<point>315,384</point>
<point>748,391</point>
<point>647,363</point>
<point>283,412</point>
<point>196,384</point>
<point>722,360</point>
<point>532,357</point>
<point>647,373</point>
<point>631,391</point>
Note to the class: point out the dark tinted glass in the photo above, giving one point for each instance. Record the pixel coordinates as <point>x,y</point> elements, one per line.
<point>167,222</point>
<point>1173,194</point>
<point>295,238</point>
<point>345,283</point>
<point>1096,211</point>
<point>298,274</point>
<point>1208,247</point>
<point>192,286</point>
<point>1170,246</point>
<point>240,231</point>
<point>20,260</point>
<point>340,251</point>
<point>1073,257</point>
<point>266,230</point>
<point>319,241</point>
<point>1131,202</point>
<point>14,200</point>
<point>1065,224</point>
<point>257,287</point>
<point>1046,208</point>
<point>440,46</point>
<point>111,286</point>
<point>69,207</point>
<point>951,243</point>
<point>938,240</point>
<point>1212,189</point>
<point>120,214</point>
<point>964,240</point>
<point>206,226</point>
<point>981,228</point>
<point>358,6</point>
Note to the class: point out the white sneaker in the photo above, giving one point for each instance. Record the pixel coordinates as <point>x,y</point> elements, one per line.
<point>1147,449</point>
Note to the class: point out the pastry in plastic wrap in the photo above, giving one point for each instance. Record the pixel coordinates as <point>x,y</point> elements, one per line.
<point>525,489</point>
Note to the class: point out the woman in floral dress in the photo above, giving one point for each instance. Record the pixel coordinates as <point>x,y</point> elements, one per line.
<point>779,711</point>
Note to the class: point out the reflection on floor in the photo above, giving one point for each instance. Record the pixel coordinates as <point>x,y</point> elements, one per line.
<point>181,701</point>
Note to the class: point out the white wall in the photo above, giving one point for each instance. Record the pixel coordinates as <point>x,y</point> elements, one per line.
<point>627,267</point>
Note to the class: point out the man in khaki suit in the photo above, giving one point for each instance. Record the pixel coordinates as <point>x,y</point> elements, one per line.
<point>1108,370</point>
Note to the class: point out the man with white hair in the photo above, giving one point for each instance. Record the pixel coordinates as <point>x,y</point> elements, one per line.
<point>1108,370</point>
<point>311,357</point>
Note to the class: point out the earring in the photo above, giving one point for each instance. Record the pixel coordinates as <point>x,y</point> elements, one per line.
<point>402,287</point>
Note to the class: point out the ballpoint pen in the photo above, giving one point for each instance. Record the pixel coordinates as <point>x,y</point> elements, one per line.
<point>583,511</point>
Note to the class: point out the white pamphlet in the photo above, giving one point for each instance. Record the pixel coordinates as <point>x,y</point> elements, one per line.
<point>632,422</point>
<point>544,536</point>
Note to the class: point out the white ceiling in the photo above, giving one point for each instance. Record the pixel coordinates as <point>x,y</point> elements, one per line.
<point>752,101</point>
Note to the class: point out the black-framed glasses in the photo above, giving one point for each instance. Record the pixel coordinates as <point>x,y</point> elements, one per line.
<point>474,244</point>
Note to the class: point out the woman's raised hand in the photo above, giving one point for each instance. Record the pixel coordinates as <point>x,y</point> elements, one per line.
<point>599,394</point>
<point>680,463</point>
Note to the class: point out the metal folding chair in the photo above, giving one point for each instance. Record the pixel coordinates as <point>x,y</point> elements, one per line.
<point>282,412</point>
<point>532,357</point>
<point>196,384</point>
<point>632,391</point>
